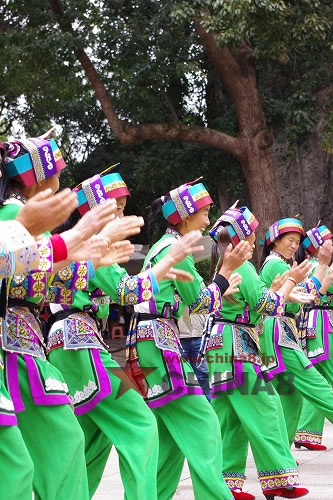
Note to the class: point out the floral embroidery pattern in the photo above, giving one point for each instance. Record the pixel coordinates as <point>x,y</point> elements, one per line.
<point>132,290</point>
<point>271,303</point>
<point>278,478</point>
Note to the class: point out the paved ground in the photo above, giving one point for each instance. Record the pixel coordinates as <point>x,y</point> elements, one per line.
<point>316,468</point>
<point>316,474</point>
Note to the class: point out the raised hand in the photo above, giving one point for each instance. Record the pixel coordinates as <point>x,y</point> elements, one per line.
<point>93,248</point>
<point>92,221</point>
<point>298,295</point>
<point>325,253</point>
<point>122,227</point>
<point>95,219</point>
<point>179,275</point>
<point>234,281</point>
<point>118,253</point>
<point>233,258</point>
<point>278,281</point>
<point>45,211</point>
<point>299,273</point>
<point>185,246</point>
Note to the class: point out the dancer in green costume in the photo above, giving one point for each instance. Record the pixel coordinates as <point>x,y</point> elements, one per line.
<point>54,439</point>
<point>106,415</point>
<point>318,324</point>
<point>187,425</point>
<point>246,403</point>
<point>280,339</point>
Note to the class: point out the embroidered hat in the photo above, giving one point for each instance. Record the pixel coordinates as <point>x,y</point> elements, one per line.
<point>99,188</point>
<point>185,201</point>
<point>282,226</point>
<point>32,160</point>
<point>240,223</point>
<point>315,237</point>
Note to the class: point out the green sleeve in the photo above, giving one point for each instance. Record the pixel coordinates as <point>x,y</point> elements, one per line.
<point>9,212</point>
<point>107,279</point>
<point>271,269</point>
<point>188,291</point>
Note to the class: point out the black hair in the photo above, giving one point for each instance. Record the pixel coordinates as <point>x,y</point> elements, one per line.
<point>156,224</point>
<point>5,183</point>
<point>266,250</point>
<point>300,255</point>
<point>218,251</point>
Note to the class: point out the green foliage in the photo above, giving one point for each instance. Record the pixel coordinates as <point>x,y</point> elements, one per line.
<point>155,69</point>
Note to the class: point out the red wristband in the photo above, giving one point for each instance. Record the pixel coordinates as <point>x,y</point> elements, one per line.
<point>59,248</point>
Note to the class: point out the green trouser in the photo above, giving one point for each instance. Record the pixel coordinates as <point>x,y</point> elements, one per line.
<point>188,427</point>
<point>302,383</point>
<point>252,413</point>
<point>16,467</point>
<point>55,443</point>
<point>311,422</point>
<point>128,424</point>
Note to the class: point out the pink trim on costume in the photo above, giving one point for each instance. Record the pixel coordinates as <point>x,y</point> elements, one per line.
<point>326,329</point>
<point>236,382</point>
<point>105,387</point>
<point>38,393</point>
<point>173,361</point>
<point>13,381</point>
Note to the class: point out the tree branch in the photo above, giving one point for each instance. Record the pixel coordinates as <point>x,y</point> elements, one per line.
<point>128,133</point>
<point>170,106</point>
<point>237,71</point>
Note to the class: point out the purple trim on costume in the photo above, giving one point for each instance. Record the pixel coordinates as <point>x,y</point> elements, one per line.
<point>266,375</point>
<point>242,223</point>
<point>152,306</point>
<point>46,156</point>
<point>317,236</point>
<point>98,189</point>
<point>326,329</point>
<point>245,316</point>
<point>105,387</point>
<point>13,381</point>
<point>7,420</point>
<point>34,279</point>
<point>39,396</point>
<point>187,201</point>
<point>281,367</point>
<point>236,382</point>
<point>173,362</point>
<point>145,286</point>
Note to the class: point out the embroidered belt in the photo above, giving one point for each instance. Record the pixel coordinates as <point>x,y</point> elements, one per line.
<point>245,340</point>
<point>163,331</point>
<point>21,333</point>
<point>75,330</point>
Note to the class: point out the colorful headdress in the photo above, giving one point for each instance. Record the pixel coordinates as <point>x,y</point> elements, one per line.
<point>240,223</point>
<point>282,226</point>
<point>185,201</point>
<point>98,189</point>
<point>32,160</point>
<point>315,237</point>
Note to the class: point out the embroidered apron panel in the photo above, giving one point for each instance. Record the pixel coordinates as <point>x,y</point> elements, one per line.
<point>21,333</point>
<point>81,331</point>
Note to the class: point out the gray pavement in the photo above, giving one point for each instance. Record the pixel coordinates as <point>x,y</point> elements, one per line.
<point>316,474</point>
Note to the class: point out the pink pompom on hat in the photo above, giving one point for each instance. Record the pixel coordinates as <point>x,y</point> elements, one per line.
<point>32,160</point>
<point>240,223</point>
<point>185,201</point>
